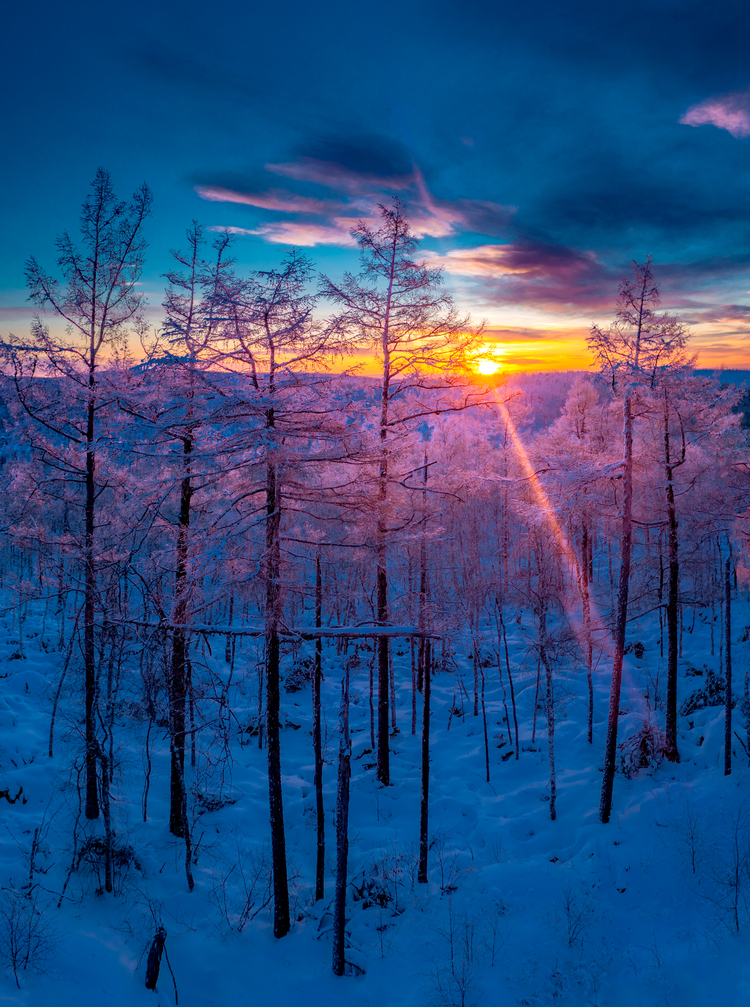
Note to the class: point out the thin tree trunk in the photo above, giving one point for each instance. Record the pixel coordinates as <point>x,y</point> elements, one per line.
<point>424,804</point>
<point>383,752</point>
<point>392,692</point>
<point>550,711</point>
<point>178,675</point>
<point>373,743</point>
<point>536,702</point>
<point>486,737</point>
<point>228,644</point>
<point>413,687</point>
<point>510,685</point>
<point>342,832</point>
<point>661,610</point>
<point>383,770</point>
<point>317,741</point>
<point>670,749</point>
<point>586,595</point>
<point>475,663</point>
<point>728,664</point>
<point>610,754</point>
<point>281,921</point>
<point>89,652</point>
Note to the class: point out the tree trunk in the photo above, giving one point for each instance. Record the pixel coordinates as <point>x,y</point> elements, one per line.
<point>342,832</point>
<point>383,770</point>
<point>178,672</point>
<point>273,747</point>
<point>626,542</point>
<point>424,804</point>
<point>317,741</point>
<point>383,753</point>
<point>510,685</point>
<point>153,963</point>
<point>486,735</point>
<point>586,595</point>
<point>670,750</point>
<point>728,664</point>
<point>89,650</point>
<point>550,713</point>
<point>413,687</point>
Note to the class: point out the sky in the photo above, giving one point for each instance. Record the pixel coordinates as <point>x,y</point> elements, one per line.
<point>540,147</point>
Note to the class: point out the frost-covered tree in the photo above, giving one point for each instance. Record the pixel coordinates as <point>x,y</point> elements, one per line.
<point>630,353</point>
<point>270,342</point>
<point>98,300</point>
<point>396,307</point>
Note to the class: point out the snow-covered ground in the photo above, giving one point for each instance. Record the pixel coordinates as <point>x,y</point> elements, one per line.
<point>518,910</point>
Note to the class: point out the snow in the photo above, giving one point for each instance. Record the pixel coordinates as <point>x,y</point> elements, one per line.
<point>640,926</point>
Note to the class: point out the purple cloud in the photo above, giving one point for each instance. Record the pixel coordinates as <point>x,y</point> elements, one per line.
<point>274,199</point>
<point>728,111</point>
<point>338,176</point>
<point>535,273</point>
<point>361,178</point>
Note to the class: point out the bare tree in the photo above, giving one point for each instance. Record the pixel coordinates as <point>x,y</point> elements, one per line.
<point>396,306</point>
<point>268,334</point>
<point>98,301</point>
<point>630,352</point>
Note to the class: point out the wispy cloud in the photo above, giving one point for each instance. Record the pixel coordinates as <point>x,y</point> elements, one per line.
<point>274,199</point>
<point>337,176</point>
<point>358,173</point>
<point>728,111</point>
<point>533,272</point>
<point>300,233</point>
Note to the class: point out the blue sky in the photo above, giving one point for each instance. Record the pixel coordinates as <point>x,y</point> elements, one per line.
<point>540,147</point>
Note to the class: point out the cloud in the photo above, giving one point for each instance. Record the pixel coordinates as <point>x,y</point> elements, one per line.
<point>274,199</point>
<point>363,172</point>
<point>17,311</point>
<point>533,272</point>
<point>301,233</point>
<point>359,172</point>
<point>729,111</point>
<point>337,176</point>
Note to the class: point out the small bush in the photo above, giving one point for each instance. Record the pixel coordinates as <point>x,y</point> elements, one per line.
<point>26,936</point>
<point>642,750</point>
<point>93,855</point>
<point>353,662</point>
<point>713,693</point>
<point>300,675</point>
<point>636,649</point>
<point>371,892</point>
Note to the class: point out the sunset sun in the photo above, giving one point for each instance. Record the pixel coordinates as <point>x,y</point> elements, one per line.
<point>487,359</point>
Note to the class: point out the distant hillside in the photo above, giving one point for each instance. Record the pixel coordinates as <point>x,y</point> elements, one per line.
<point>727,377</point>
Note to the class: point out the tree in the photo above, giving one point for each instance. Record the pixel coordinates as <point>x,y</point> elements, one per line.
<point>630,352</point>
<point>99,303</point>
<point>396,307</point>
<point>267,335</point>
<point>189,302</point>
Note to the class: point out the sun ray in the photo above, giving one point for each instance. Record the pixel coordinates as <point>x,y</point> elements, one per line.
<point>599,629</point>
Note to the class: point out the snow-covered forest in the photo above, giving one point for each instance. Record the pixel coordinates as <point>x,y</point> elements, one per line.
<point>412,689</point>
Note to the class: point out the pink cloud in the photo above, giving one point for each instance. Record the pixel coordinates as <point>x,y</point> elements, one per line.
<point>301,233</point>
<point>729,111</point>
<point>360,193</point>
<point>306,233</point>
<point>532,272</point>
<point>532,259</point>
<point>286,202</point>
<point>336,176</point>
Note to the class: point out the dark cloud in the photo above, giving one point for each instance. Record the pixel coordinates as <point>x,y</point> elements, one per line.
<point>180,68</point>
<point>698,43</point>
<point>533,273</point>
<point>364,156</point>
